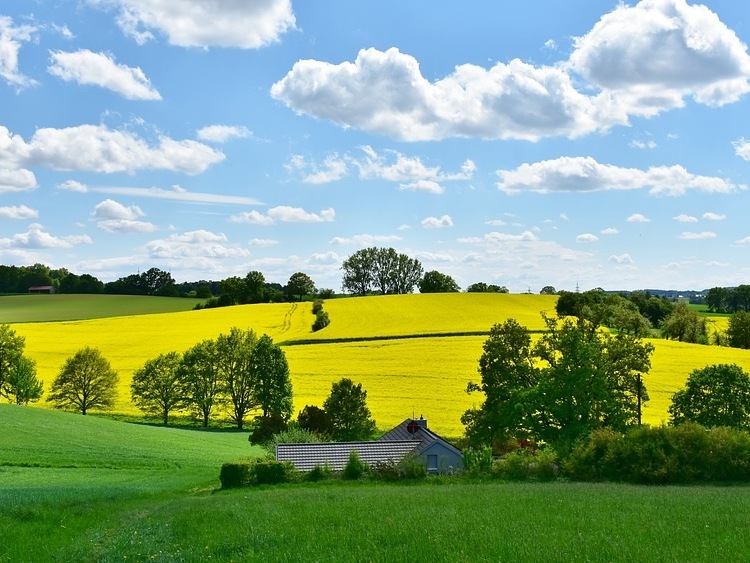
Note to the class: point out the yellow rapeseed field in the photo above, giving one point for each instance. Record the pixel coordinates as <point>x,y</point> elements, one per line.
<point>402,376</point>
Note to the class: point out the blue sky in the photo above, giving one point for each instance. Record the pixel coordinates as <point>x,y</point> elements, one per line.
<point>583,143</point>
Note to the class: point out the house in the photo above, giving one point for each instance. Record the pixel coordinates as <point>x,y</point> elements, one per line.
<point>42,289</point>
<point>411,437</point>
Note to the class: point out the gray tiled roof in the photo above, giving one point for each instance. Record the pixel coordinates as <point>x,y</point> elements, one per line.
<point>416,429</point>
<point>306,456</point>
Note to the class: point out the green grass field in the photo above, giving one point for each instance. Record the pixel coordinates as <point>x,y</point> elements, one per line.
<point>45,308</point>
<point>76,488</point>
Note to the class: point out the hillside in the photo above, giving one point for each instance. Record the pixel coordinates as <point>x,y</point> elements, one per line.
<point>414,354</point>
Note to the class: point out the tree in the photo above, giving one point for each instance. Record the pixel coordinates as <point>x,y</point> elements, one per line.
<point>270,372</point>
<point>384,270</point>
<point>716,395</point>
<point>435,282</point>
<point>22,383</point>
<point>255,284</point>
<point>199,372</point>
<point>547,290</point>
<point>11,350</point>
<point>738,331</point>
<point>351,420</point>
<point>86,381</point>
<point>684,325</point>
<point>234,289</point>
<point>300,284</point>
<point>233,353</point>
<point>717,299</point>
<point>315,420</point>
<point>407,274</point>
<point>574,380</point>
<point>157,388</point>
<point>358,272</point>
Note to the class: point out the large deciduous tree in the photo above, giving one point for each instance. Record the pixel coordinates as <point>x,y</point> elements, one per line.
<point>300,284</point>
<point>86,381</point>
<point>157,388</point>
<point>685,325</point>
<point>738,331</point>
<point>234,363</point>
<point>346,405</point>
<point>22,385</point>
<point>716,395</point>
<point>11,351</point>
<point>573,380</point>
<point>270,373</point>
<point>437,282</point>
<point>380,269</point>
<point>200,374</point>
<point>359,271</point>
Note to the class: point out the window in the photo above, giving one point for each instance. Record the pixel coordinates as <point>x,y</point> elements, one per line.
<point>432,463</point>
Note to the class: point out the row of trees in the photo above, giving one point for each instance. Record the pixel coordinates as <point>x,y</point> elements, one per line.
<point>728,299</point>
<point>381,270</point>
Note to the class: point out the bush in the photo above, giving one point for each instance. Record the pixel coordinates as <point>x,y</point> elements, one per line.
<point>271,472</point>
<point>235,475</point>
<point>317,306</point>
<point>265,428</point>
<point>478,461</point>
<point>730,455</point>
<point>320,473</point>
<point>292,435</point>
<point>322,320</point>
<point>315,420</point>
<point>412,468</point>
<point>591,459</point>
<point>355,467</point>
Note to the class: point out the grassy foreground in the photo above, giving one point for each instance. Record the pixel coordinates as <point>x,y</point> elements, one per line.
<point>76,488</point>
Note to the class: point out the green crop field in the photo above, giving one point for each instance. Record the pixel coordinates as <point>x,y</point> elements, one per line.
<point>39,308</point>
<point>76,488</point>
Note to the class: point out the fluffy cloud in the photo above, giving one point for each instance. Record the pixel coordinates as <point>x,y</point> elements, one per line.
<point>19,180</point>
<point>585,174</point>
<point>194,244</point>
<point>18,212</point>
<point>37,238</point>
<point>365,240</point>
<point>638,218</point>
<point>384,92</point>
<point>714,216</point>
<point>222,133</point>
<point>636,61</point>
<point>683,218</point>
<point>201,23</point>
<point>97,148</point>
<point>73,186</point>
<point>609,231</point>
<point>621,258</point>
<point>98,69</point>
<point>114,217</point>
<point>392,166</point>
<point>11,38</point>
<point>437,222</point>
<point>651,55</point>
<point>587,237</point>
<point>284,214</point>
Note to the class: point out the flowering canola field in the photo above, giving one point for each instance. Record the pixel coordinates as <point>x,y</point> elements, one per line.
<point>403,375</point>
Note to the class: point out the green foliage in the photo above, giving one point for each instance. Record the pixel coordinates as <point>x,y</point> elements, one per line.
<point>292,434</point>
<point>266,427</point>
<point>86,381</point>
<point>478,461</point>
<point>300,284</point>
<point>346,405</point>
<point>199,371</point>
<point>524,464</point>
<point>11,351</point>
<point>271,472</point>
<point>573,380</point>
<point>320,473</point>
<point>272,385</point>
<point>685,325</point>
<point>380,269</point>
<point>716,395</point>
<point>481,287</point>
<point>237,372</point>
<point>322,320</point>
<point>315,420</point>
<point>157,388</point>
<point>22,385</point>
<point>409,468</point>
<point>738,331</point>
<point>436,282</point>
<point>234,475</point>
<point>662,455</point>
<point>354,468</point>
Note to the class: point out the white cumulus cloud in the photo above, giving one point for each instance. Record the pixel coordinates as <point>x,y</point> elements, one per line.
<point>18,212</point>
<point>222,133</point>
<point>437,222</point>
<point>11,38</point>
<point>100,69</point>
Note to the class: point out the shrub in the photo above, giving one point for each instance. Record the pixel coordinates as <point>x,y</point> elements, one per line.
<point>315,420</point>
<point>320,473</point>
<point>355,467</point>
<point>386,471</point>
<point>322,320</point>
<point>235,475</point>
<point>292,435</point>
<point>265,428</point>
<point>730,455</point>
<point>591,459</point>
<point>412,468</point>
<point>478,461</point>
<point>317,306</point>
<point>271,472</point>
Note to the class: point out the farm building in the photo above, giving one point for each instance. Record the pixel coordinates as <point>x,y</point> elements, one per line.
<point>411,437</point>
<point>42,289</point>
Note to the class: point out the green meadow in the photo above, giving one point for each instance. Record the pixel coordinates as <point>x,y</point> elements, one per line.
<point>76,488</point>
<point>63,307</point>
